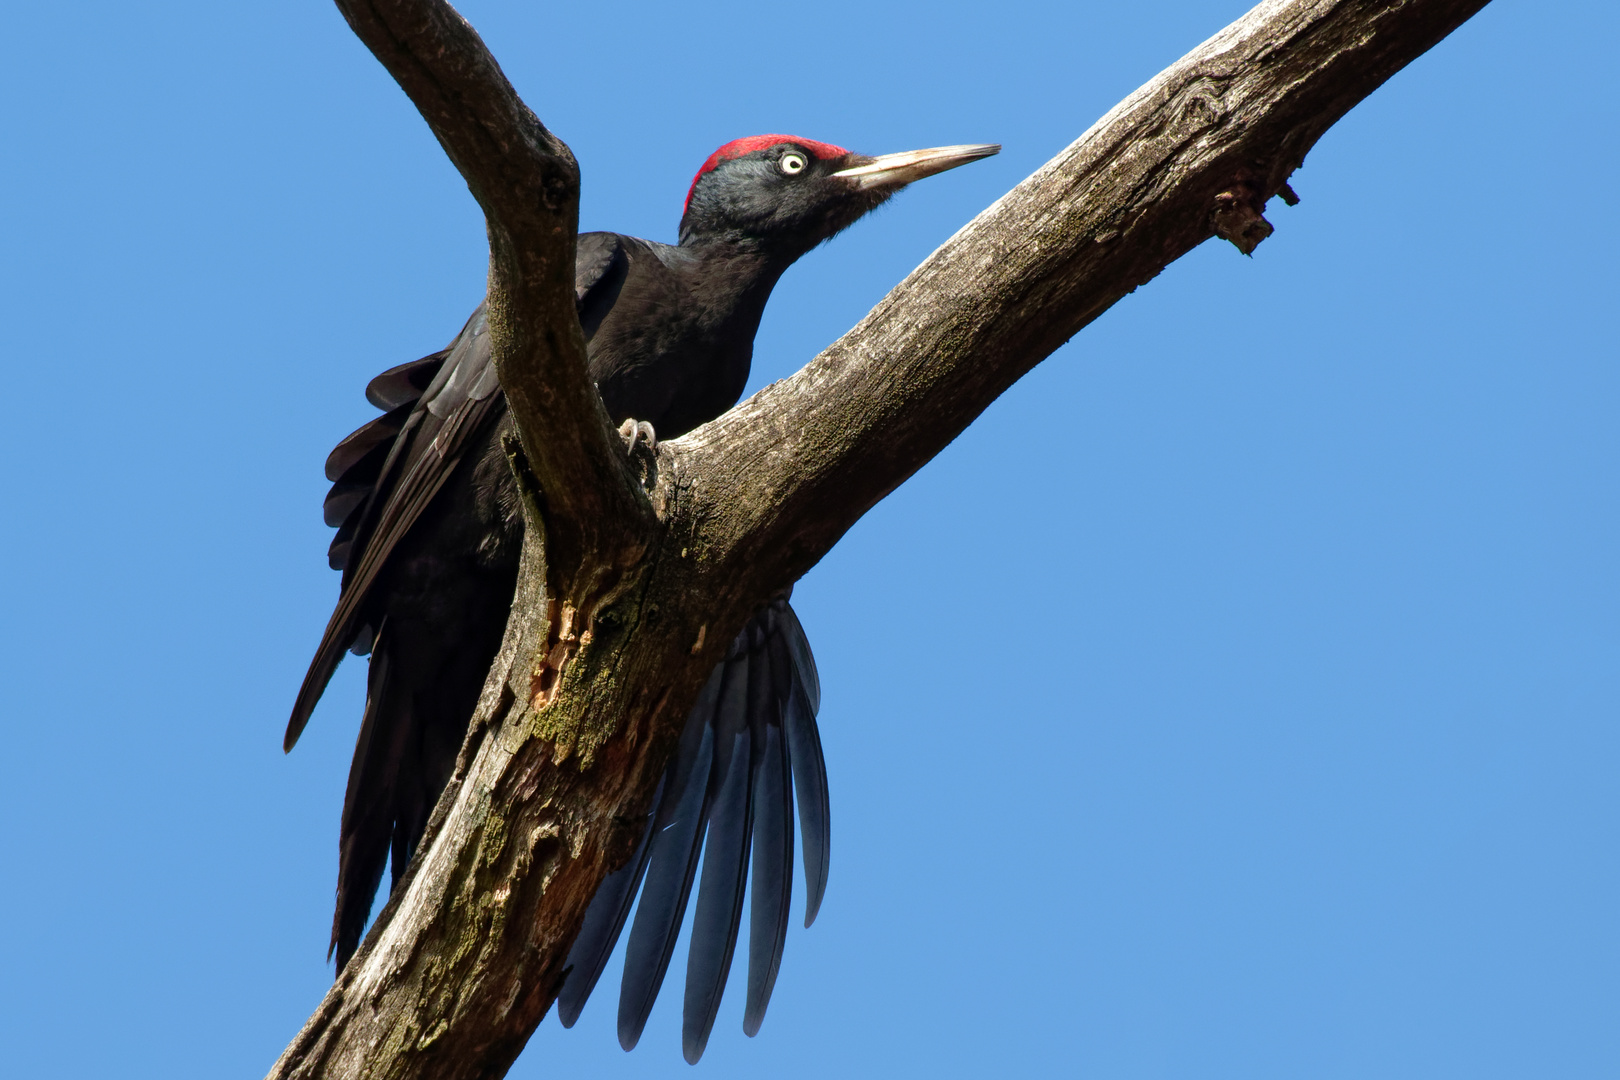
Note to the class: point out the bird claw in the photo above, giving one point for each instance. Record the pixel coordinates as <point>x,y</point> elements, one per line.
<point>633,431</point>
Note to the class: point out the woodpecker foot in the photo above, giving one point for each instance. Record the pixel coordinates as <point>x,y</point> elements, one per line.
<point>633,431</point>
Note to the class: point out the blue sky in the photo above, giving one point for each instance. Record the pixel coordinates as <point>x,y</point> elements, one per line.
<point>1238,697</point>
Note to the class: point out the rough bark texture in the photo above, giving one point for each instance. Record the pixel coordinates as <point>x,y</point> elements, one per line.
<point>630,591</point>
<point>527,182</point>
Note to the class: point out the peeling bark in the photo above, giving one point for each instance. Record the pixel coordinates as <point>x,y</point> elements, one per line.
<point>638,571</point>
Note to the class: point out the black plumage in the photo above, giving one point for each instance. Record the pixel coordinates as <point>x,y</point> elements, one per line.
<point>429,530</point>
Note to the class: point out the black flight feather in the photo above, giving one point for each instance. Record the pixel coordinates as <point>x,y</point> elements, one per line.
<point>402,385</point>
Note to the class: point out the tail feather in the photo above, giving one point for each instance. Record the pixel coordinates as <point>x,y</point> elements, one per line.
<point>672,863</point>
<point>368,819</point>
<point>749,742</point>
<point>773,861</point>
<point>725,859</point>
<point>604,921</point>
<point>809,767</point>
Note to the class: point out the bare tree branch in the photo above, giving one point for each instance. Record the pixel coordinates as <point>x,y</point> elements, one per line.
<point>591,686</point>
<point>527,182</point>
<point>1194,153</point>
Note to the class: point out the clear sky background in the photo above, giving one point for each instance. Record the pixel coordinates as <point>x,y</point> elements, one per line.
<point>1239,697</point>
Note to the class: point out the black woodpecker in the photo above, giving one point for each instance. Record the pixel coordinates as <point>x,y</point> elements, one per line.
<point>429,531</point>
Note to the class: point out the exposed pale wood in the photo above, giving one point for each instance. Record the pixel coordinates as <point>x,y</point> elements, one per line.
<point>599,669</point>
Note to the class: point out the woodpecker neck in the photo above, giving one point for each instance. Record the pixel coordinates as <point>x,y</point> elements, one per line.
<point>733,277</point>
<point>764,256</point>
<point>677,346</point>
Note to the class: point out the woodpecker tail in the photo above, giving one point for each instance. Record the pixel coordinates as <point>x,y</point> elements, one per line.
<point>750,739</point>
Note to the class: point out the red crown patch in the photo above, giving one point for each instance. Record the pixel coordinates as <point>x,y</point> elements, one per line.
<point>738,147</point>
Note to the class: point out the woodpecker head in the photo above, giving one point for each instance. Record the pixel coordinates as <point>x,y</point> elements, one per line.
<point>791,193</point>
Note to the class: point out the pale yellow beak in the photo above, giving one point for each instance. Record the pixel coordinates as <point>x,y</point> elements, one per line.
<point>894,170</point>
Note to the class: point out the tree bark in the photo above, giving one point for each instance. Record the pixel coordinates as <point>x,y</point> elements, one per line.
<point>527,182</point>
<point>635,579</point>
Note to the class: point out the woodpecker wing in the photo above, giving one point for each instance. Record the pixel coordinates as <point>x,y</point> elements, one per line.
<point>427,445</point>
<point>600,267</point>
<point>386,473</point>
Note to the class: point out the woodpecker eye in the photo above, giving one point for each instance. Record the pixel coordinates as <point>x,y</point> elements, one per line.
<point>793,163</point>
